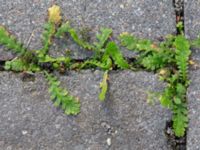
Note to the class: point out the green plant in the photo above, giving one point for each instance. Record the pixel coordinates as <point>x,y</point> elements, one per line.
<point>61,97</point>
<point>10,42</point>
<point>114,52</point>
<point>39,60</point>
<point>66,28</point>
<point>104,86</point>
<point>19,65</point>
<point>180,27</point>
<point>168,58</point>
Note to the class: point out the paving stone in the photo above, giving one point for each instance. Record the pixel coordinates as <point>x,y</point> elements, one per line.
<point>192,30</point>
<point>5,55</point>
<point>145,18</point>
<point>192,18</point>
<point>193,95</point>
<point>193,134</point>
<point>123,122</point>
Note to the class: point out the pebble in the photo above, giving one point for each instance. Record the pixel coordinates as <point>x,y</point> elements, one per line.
<point>24,132</point>
<point>121,6</point>
<point>108,141</point>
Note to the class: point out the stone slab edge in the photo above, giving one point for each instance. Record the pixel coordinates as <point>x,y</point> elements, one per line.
<point>146,19</point>
<point>124,122</point>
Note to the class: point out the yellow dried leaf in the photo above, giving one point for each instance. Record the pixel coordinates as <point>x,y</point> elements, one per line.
<point>124,33</point>
<point>191,62</point>
<point>104,87</point>
<point>54,14</point>
<point>154,46</point>
<point>194,65</point>
<point>162,71</point>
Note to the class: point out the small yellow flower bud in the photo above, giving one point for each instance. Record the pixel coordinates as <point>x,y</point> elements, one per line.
<point>163,72</point>
<point>54,14</point>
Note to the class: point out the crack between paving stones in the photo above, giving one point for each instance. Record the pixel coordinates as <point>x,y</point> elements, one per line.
<point>176,143</point>
<point>2,63</point>
<point>179,12</point>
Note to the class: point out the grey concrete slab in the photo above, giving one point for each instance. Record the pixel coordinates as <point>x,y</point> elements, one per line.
<point>192,18</point>
<point>193,95</point>
<point>124,122</point>
<point>144,18</point>
<point>192,30</point>
<point>193,134</point>
<point>5,55</point>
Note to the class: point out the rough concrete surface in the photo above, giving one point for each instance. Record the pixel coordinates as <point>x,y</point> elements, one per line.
<point>192,30</point>
<point>29,121</point>
<point>145,18</point>
<point>192,18</point>
<point>193,134</point>
<point>193,94</point>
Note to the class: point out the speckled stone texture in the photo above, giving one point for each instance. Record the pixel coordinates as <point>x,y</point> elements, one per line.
<point>192,18</point>
<point>193,95</point>
<point>145,18</point>
<point>29,121</point>
<point>193,134</point>
<point>192,30</point>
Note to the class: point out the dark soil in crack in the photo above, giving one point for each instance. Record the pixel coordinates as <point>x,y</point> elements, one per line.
<point>179,9</point>
<point>2,65</point>
<point>176,143</point>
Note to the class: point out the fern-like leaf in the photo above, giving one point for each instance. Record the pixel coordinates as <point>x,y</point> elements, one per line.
<point>196,42</point>
<point>146,45</point>
<point>105,64</point>
<point>66,28</point>
<point>15,65</point>
<point>19,65</point>
<point>132,43</point>
<point>49,31</point>
<point>10,42</point>
<point>180,119</point>
<point>155,61</point>
<point>182,55</point>
<point>104,86</point>
<point>54,19</point>
<point>103,37</point>
<point>166,97</point>
<point>181,90</point>
<point>61,97</point>
<point>180,27</point>
<point>129,41</point>
<point>114,52</point>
